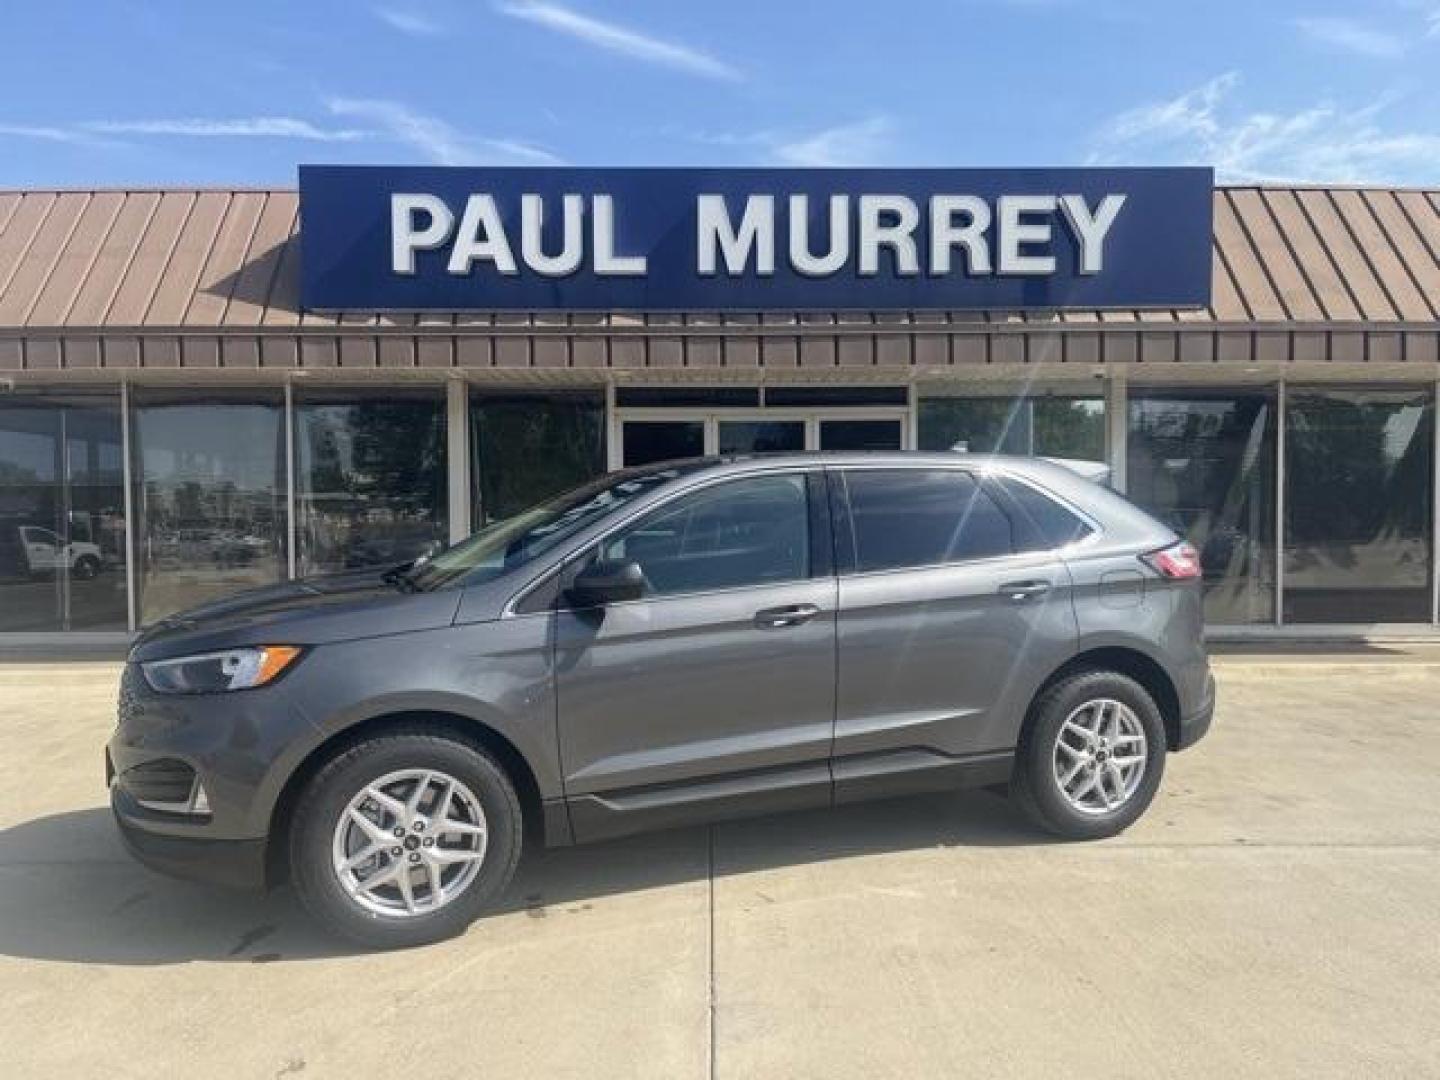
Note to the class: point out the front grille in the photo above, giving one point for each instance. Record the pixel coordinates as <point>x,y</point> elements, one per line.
<point>168,782</point>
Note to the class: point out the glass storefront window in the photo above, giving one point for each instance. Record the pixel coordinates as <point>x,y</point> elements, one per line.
<point>527,447</point>
<point>1359,468</point>
<point>209,474</point>
<point>1063,427</point>
<point>370,479</point>
<point>62,514</point>
<point>1203,462</point>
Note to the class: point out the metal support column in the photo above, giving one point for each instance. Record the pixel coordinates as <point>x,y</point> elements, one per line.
<point>1280,395</point>
<point>1117,426</point>
<point>129,504</point>
<point>291,530</point>
<point>457,456</point>
<point>1435,510</point>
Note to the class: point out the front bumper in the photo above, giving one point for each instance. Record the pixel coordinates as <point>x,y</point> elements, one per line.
<point>238,749</point>
<point>1195,724</point>
<point>232,863</point>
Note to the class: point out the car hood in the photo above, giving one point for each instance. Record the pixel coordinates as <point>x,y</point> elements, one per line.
<point>311,611</point>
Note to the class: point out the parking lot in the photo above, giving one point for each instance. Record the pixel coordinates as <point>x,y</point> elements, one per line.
<point>1275,914</point>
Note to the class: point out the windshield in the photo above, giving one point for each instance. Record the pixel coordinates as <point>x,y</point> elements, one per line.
<point>512,542</point>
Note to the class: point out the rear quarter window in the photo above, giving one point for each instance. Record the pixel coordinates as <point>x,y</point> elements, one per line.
<point>1041,523</point>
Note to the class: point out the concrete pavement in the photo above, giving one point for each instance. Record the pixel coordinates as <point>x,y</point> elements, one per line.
<point>1274,915</point>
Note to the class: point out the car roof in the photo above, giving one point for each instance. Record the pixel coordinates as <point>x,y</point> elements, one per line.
<point>691,468</point>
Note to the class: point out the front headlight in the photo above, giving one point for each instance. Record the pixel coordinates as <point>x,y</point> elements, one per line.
<point>210,673</point>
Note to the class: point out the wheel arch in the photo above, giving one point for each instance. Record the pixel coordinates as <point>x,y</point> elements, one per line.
<point>1130,661</point>
<point>466,728</point>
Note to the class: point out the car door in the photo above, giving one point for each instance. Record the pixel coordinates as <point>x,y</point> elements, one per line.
<point>714,693</point>
<point>945,627</point>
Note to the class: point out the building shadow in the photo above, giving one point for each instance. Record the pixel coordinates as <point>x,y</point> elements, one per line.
<point>69,892</point>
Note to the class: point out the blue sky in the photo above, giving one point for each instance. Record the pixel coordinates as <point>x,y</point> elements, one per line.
<point>130,92</point>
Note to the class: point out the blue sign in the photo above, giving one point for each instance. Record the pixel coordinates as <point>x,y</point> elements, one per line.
<point>454,239</point>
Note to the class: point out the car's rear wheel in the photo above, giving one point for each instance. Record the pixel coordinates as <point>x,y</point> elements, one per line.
<point>405,837</point>
<point>86,567</point>
<point>1091,756</point>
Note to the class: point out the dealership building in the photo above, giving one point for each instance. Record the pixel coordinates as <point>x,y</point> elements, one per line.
<point>180,418</point>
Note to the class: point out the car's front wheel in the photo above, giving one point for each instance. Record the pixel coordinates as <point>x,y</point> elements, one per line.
<point>1091,756</point>
<point>405,837</point>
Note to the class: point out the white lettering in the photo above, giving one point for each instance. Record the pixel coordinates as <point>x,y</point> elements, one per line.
<point>898,235</point>
<point>946,234</point>
<point>1015,233</point>
<point>532,225</point>
<point>1090,229</point>
<point>481,236</point>
<point>801,259</point>
<point>406,239</point>
<point>714,231</point>
<point>607,263</point>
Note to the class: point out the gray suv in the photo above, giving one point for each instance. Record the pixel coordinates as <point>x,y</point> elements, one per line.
<point>684,642</point>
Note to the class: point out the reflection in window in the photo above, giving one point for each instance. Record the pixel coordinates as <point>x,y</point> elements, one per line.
<point>739,534</point>
<point>62,514</point>
<point>1063,427</point>
<point>645,442</point>
<point>759,436</point>
<point>1204,463</point>
<point>210,496</point>
<point>527,448</point>
<point>370,485</point>
<point>1359,473</point>
<point>911,518</point>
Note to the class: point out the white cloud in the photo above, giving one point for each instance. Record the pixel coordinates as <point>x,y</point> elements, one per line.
<point>43,133</point>
<point>864,142</point>
<point>1353,36</point>
<point>408,22</point>
<point>280,127</point>
<point>1322,143</point>
<point>620,39</point>
<point>436,139</point>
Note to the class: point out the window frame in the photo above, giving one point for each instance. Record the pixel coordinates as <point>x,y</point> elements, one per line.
<point>546,593</point>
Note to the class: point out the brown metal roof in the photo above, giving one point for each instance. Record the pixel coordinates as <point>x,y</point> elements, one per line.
<point>170,259</point>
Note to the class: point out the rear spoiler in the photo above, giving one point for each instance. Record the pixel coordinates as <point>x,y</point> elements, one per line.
<point>1095,471</point>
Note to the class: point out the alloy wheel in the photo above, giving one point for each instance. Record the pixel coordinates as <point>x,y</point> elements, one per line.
<point>1099,757</point>
<point>409,843</point>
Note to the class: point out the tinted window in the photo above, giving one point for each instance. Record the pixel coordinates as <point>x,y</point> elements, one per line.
<point>1041,524</point>
<point>209,476</point>
<point>530,447</point>
<point>916,517</point>
<point>1203,462</point>
<point>741,533</point>
<point>369,477</point>
<point>1358,519</point>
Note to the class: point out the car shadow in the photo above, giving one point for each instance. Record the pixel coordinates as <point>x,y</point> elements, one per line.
<point>69,892</point>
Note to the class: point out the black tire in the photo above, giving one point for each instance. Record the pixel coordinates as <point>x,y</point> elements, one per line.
<point>1034,786</point>
<point>326,796</point>
<point>86,567</point>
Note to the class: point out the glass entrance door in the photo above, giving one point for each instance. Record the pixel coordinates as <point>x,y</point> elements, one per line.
<point>761,436</point>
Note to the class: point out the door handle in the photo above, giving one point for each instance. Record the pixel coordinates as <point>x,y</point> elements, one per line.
<point>777,618</point>
<point>1020,591</point>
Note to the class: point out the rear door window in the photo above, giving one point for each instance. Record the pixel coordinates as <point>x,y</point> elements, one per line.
<point>904,518</point>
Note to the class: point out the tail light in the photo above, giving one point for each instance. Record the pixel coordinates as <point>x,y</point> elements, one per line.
<point>1179,562</point>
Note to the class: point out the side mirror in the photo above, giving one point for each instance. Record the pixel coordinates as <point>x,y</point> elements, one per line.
<point>608,582</point>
